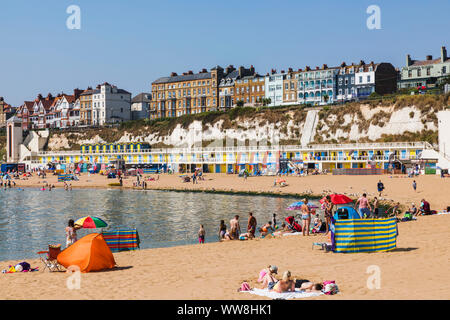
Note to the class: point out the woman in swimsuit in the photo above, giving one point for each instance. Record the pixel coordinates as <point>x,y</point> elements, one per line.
<point>222,230</point>
<point>306,217</point>
<point>71,233</point>
<point>328,213</point>
<point>286,284</point>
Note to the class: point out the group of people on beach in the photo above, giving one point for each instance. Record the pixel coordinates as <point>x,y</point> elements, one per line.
<point>234,232</point>
<point>268,279</point>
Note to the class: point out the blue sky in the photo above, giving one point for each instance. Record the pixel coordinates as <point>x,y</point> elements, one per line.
<point>132,43</point>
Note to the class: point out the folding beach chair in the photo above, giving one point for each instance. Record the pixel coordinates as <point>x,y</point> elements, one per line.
<point>49,258</point>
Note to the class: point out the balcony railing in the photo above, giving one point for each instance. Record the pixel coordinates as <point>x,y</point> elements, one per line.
<point>247,149</point>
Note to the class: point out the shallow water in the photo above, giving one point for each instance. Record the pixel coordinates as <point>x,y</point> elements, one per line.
<point>31,219</point>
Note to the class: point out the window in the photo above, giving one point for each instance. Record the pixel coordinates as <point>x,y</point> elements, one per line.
<point>360,79</point>
<point>444,70</point>
<point>409,73</point>
<point>353,80</point>
<point>419,72</point>
<point>368,78</point>
<point>428,71</point>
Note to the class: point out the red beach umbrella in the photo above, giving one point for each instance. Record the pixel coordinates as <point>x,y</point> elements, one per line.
<point>337,199</point>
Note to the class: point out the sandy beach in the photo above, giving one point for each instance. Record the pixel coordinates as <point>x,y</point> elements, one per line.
<point>417,269</point>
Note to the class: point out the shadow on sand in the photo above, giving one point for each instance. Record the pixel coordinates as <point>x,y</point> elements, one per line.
<point>403,249</point>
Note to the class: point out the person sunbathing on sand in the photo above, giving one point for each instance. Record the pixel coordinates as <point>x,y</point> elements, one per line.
<point>284,229</point>
<point>246,236</point>
<point>286,284</point>
<point>311,287</point>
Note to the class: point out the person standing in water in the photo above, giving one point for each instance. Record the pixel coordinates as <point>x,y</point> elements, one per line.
<point>201,234</point>
<point>251,225</point>
<point>222,230</point>
<point>274,220</point>
<point>235,227</point>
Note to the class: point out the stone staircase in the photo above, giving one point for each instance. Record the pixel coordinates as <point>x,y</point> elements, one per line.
<point>309,130</point>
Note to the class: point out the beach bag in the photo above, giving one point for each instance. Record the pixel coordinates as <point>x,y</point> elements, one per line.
<point>330,287</point>
<point>25,266</point>
<point>244,287</point>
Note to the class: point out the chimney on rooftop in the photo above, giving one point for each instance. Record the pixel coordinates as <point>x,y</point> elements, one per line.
<point>241,71</point>
<point>77,92</point>
<point>317,68</point>
<point>408,60</point>
<point>443,54</point>
<point>273,71</point>
<point>190,72</point>
<point>290,70</point>
<point>429,57</point>
<point>324,67</point>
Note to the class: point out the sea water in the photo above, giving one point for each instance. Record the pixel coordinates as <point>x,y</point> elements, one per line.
<point>32,219</point>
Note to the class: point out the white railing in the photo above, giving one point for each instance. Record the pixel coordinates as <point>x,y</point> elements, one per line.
<point>244,149</point>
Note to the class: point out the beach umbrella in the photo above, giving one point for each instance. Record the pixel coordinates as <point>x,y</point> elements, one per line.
<point>298,206</point>
<point>338,199</point>
<point>91,222</point>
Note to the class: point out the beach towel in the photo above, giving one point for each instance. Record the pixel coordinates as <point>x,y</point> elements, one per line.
<point>284,296</point>
<point>122,239</point>
<point>292,234</point>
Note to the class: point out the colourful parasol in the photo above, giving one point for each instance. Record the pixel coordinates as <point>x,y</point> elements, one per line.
<point>298,206</point>
<point>91,223</point>
<point>337,199</point>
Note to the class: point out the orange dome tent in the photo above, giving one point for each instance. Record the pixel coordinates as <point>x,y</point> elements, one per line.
<point>90,253</point>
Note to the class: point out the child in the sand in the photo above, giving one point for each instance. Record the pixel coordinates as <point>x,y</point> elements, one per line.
<point>311,287</point>
<point>284,229</point>
<point>266,229</point>
<point>267,277</point>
